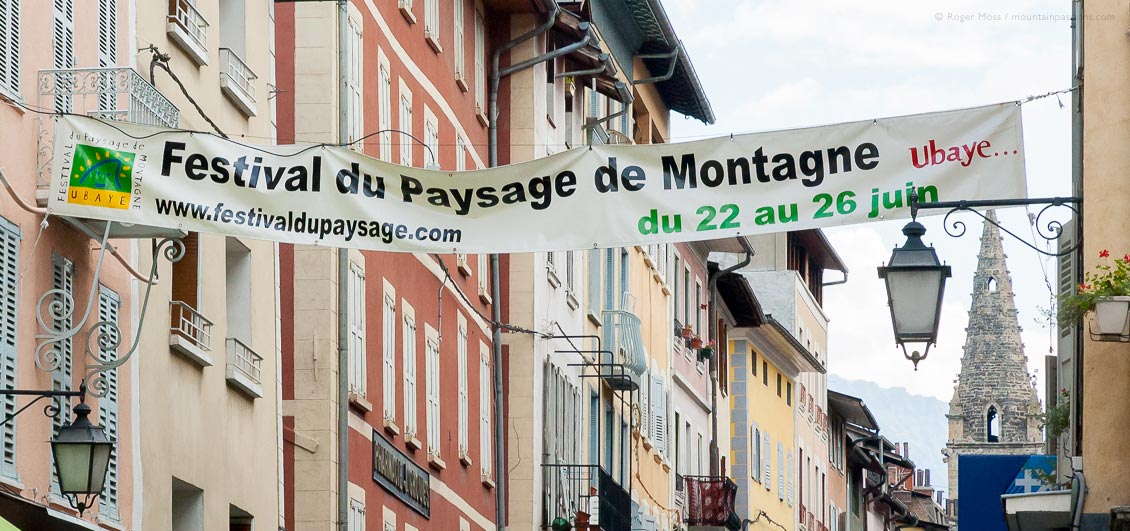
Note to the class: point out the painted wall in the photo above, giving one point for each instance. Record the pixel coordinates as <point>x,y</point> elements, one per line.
<point>1105,365</point>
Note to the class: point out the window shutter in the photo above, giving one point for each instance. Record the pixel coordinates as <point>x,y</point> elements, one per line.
<point>549,392</point>
<point>780,471</point>
<point>485,403</point>
<point>659,401</point>
<point>767,460</point>
<point>409,348</point>
<point>9,277</point>
<point>107,50</point>
<point>594,429</point>
<point>62,279</point>
<point>645,404</point>
<point>790,478</point>
<point>10,46</point>
<point>109,305</point>
<point>464,443</point>
<point>388,328</point>
<point>64,45</point>
<point>356,319</point>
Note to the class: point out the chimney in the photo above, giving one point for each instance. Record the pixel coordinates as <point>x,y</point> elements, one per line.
<point>939,495</point>
<point>927,483</point>
<point>906,450</point>
<point>918,476</point>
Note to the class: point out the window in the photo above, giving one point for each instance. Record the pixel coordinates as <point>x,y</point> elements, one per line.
<point>687,296</point>
<point>239,520</point>
<point>187,507</point>
<point>388,340</point>
<point>697,307</point>
<point>431,339</point>
<point>356,516</point>
<point>765,373</point>
<point>484,278</point>
<point>431,23</point>
<point>10,49</point>
<point>62,281</point>
<point>405,125</point>
<point>460,153</point>
<point>109,306</point>
<point>63,42</point>
<point>755,452</point>
<point>409,347</point>
<point>354,112</point>
<point>658,405</point>
<point>569,274</point>
<point>457,42</point>
<point>9,276</point>
<point>778,384</point>
<point>679,445</point>
<point>480,65</point>
<point>431,139</point>
<point>675,293</point>
<point>485,411</point>
<point>698,460</point>
<point>464,444</point>
<point>238,269</point>
<point>767,461</point>
<point>789,393</point>
<point>550,85</point>
<point>356,318</point>
<point>384,118</point>
<point>753,361</point>
<point>594,282</point>
<point>992,425</point>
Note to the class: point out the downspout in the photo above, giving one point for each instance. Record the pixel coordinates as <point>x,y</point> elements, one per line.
<point>712,287</point>
<point>625,96</point>
<point>673,56</point>
<point>836,282</point>
<point>496,76</point>
<point>342,297</point>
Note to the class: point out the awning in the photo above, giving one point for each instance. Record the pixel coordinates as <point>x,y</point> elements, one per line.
<point>1037,511</point>
<point>20,514</point>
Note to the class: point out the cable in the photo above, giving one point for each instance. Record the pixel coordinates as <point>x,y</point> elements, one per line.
<point>493,323</point>
<point>162,60</point>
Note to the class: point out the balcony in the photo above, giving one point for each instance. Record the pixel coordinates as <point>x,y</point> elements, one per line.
<point>244,368</point>
<point>576,492</point>
<point>710,502</point>
<point>191,334</point>
<point>623,339</point>
<point>237,81</point>
<point>188,29</point>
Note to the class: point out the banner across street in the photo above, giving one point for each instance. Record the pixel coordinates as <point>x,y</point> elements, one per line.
<point>599,196</point>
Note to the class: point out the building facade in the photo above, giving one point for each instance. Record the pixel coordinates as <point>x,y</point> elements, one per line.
<point>414,394</point>
<point>994,409</point>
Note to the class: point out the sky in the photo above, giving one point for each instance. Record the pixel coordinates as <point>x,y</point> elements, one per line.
<point>776,64</point>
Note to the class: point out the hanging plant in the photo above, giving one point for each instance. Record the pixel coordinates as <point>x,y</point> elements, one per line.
<point>1105,291</point>
<point>696,342</point>
<point>707,350</point>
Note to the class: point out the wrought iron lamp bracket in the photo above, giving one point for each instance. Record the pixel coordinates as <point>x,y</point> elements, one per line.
<point>1049,232</point>
<point>101,337</point>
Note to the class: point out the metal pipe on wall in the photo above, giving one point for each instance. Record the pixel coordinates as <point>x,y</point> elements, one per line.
<point>342,295</point>
<point>712,289</point>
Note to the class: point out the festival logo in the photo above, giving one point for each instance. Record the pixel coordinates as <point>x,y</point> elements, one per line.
<point>101,177</point>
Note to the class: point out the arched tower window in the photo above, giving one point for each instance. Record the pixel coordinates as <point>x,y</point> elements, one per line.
<point>992,425</point>
<point>991,284</point>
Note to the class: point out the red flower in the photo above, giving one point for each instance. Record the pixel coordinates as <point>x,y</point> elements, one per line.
<point>1126,258</point>
<point>1084,287</point>
<point>1104,253</point>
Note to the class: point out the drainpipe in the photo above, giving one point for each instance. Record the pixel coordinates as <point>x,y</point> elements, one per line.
<point>712,288</point>
<point>342,298</point>
<point>496,75</point>
<point>673,56</point>
<point>625,96</point>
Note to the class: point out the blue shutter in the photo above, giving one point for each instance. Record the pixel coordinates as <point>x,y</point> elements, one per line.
<point>594,281</point>
<point>594,429</point>
<point>9,279</point>
<point>62,279</point>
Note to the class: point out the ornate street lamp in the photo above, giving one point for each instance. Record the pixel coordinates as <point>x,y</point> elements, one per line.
<point>916,282</point>
<point>82,455</point>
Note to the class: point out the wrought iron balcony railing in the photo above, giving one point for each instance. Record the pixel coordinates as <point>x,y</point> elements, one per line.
<point>112,93</point>
<point>191,333</point>
<point>237,81</point>
<point>244,369</point>
<point>586,491</point>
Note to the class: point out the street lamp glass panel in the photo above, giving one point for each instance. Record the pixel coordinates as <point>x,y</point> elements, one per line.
<point>914,295</point>
<point>82,454</point>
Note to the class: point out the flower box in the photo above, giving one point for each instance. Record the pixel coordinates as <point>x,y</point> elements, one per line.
<point>1110,315</point>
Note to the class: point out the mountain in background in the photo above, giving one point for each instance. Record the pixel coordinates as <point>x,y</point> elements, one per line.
<point>905,417</point>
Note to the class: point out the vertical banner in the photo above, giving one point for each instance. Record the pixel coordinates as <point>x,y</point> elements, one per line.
<point>599,196</point>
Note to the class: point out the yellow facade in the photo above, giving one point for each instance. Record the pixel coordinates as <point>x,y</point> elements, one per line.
<point>760,413</point>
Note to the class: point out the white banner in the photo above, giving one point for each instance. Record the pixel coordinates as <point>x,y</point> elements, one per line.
<point>603,196</point>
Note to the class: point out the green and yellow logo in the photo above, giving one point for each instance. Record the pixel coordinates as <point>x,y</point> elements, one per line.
<point>101,177</point>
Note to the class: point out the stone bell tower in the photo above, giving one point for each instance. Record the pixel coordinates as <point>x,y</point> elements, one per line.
<point>995,409</point>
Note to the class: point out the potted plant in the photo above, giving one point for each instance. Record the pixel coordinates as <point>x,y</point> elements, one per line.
<point>1106,292</point>
<point>688,332</point>
<point>696,342</point>
<point>707,350</point>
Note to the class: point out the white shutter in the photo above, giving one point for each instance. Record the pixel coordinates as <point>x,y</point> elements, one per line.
<point>409,339</point>
<point>432,354</point>
<point>645,404</point>
<point>9,276</point>
<point>549,392</point>
<point>356,318</point>
<point>767,460</point>
<point>480,64</point>
<point>458,41</point>
<point>384,121</point>
<point>485,403</point>
<point>464,444</point>
<point>789,480</point>
<point>10,47</point>
<point>659,405</point>
<point>780,471</point>
<point>109,305</point>
<point>388,328</point>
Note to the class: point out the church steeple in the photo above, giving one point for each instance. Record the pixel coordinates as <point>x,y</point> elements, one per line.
<point>995,409</point>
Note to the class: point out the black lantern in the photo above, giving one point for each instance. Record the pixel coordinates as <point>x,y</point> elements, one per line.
<point>916,281</point>
<point>82,454</point>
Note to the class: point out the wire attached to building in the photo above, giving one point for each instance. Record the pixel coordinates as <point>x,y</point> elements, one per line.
<point>488,320</point>
<point>162,60</point>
